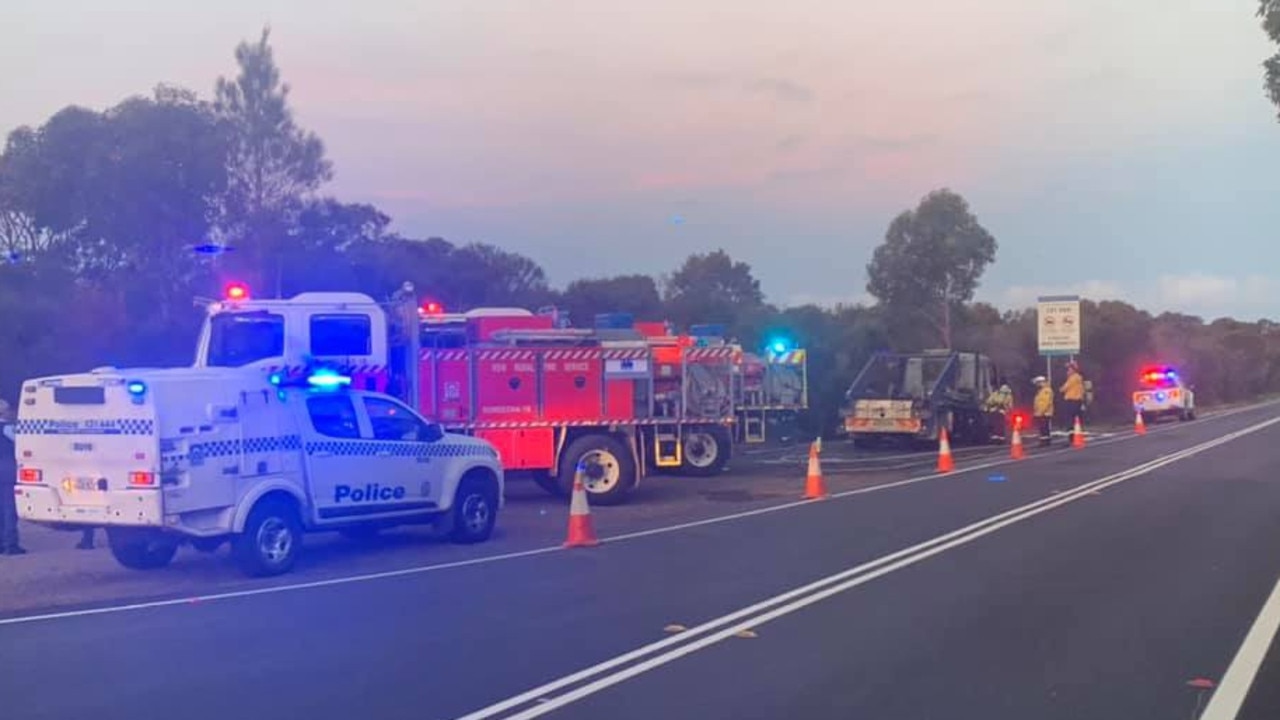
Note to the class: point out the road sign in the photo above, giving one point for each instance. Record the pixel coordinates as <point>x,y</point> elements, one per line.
<point>1058,321</point>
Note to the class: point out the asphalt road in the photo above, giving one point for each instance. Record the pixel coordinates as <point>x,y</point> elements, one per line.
<point>1094,583</point>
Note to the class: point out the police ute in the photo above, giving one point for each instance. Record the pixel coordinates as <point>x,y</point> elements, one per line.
<point>214,455</point>
<point>1164,395</point>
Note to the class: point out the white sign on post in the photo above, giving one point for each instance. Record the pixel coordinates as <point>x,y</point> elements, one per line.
<point>1058,320</point>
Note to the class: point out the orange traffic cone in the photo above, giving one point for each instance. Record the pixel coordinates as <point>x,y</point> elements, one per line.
<point>1077,434</point>
<point>814,489</point>
<point>1015,448</point>
<point>1139,425</point>
<point>945,462</point>
<point>581,531</point>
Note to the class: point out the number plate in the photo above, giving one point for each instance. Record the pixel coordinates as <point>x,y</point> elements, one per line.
<point>80,484</point>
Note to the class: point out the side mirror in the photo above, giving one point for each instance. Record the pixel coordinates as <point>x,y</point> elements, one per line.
<point>431,433</point>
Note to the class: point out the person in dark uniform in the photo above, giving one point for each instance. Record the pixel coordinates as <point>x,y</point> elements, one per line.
<point>8,479</point>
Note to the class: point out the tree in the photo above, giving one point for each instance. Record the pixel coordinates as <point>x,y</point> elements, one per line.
<point>714,288</point>
<point>931,261</point>
<point>634,294</point>
<point>273,164</point>
<point>1269,11</point>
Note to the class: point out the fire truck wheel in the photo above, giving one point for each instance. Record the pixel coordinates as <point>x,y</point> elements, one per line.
<point>140,549</point>
<point>706,451</point>
<point>610,469</point>
<point>271,539</point>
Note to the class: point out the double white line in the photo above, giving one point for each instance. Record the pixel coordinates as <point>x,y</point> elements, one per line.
<point>544,698</point>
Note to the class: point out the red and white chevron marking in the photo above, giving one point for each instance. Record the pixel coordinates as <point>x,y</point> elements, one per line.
<point>626,354</point>
<point>443,355</point>
<point>591,354</point>
<point>507,355</point>
<point>712,353</point>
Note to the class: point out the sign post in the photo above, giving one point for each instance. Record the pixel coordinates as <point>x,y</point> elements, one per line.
<point>1058,328</point>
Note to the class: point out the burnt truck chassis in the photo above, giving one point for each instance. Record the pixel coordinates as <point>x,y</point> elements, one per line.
<point>885,403</point>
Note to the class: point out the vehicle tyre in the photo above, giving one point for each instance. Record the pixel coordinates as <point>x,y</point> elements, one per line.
<point>271,539</point>
<point>475,510</point>
<point>706,451</point>
<point>610,469</point>
<point>141,550</point>
<point>1148,418</point>
<point>1191,414</point>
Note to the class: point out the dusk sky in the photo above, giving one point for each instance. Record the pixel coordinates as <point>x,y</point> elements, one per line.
<point>1117,149</point>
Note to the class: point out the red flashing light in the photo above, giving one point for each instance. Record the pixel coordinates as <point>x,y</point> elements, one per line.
<point>236,291</point>
<point>431,307</point>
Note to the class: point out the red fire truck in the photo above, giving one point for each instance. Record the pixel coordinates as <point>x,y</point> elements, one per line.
<point>625,400</point>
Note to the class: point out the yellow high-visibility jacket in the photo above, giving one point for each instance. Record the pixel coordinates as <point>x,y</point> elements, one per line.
<point>1044,402</point>
<point>1073,388</point>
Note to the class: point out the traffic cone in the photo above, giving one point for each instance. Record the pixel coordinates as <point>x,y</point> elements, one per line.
<point>945,462</point>
<point>1015,448</point>
<point>1139,425</point>
<point>582,532</point>
<point>1077,435</point>
<point>814,488</point>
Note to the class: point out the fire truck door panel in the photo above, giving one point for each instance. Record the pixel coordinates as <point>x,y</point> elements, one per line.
<point>453,388</point>
<point>523,448</point>
<point>571,385</point>
<point>507,386</point>
<point>622,402</point>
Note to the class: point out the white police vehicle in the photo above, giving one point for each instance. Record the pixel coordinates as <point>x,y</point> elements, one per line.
<point>211,455</point>
<point>1164,394</point>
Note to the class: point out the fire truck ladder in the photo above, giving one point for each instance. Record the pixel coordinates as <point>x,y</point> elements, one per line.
<point>667,446</point>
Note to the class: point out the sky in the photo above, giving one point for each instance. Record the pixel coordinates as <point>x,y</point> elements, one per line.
<point>1120,150</point>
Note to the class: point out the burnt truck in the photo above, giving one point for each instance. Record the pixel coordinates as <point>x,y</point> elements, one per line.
<point>911,396</point>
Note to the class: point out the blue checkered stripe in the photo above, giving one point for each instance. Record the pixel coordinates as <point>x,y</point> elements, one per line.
<point>370,448</point>
<point>116,426</point>
<point>200,451</point>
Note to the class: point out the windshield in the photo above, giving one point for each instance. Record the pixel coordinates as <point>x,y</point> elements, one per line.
<point>237,339</point>
<point>899,377</point>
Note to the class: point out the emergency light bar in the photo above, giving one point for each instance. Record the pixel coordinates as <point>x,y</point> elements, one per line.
<point>236,291</point>
<point>318,379</point>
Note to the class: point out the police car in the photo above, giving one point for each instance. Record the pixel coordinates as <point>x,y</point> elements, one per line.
<point>215,455</point>
<point>1164,394</point>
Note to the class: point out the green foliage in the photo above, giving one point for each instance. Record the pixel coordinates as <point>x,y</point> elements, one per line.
<point>272,164</point>
<point>714,288</point>
<point>1269,11</point>
<point>930,263</point>
<point>635,294</point>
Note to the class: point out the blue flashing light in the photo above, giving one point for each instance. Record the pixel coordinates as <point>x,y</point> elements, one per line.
<point>779,346</point>
<point>325,379</point>
<point>275,378</point>
<point>1160,396</point>
<point>136,388</point>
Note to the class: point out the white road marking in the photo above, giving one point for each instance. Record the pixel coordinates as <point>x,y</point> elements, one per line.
<point>756,615</point>
<point>422,569</point>
<point>1229,697</point>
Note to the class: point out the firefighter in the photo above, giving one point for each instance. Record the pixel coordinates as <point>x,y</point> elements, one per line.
<point>1044,408</point>
<point>997,408</point>
<point>1073,394</point>
<point>8,478</point>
